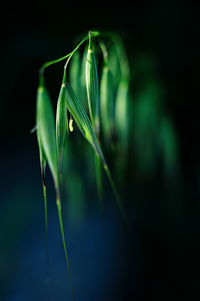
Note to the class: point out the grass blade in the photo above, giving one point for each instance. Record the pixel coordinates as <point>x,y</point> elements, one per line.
<point>114,66</point>
<point>76,109</point>
<point>46,231</point>
<point>85,126</point>
<point>64,242</point>
<point>46,148</point>
<point>83,79</point>
<point>46,130</point>
<point>106,102</point>
<point>122,119</point>
<point>61,121</point>
<point>47,142</point>
<point>43,166</point>
<point>74,73</point>
<point>122,113</point>
<point>92,85</point>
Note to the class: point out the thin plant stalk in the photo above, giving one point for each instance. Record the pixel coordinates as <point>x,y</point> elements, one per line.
<point>46,226</point>
<point>52,62</point>
<point>46,230</point>
<point>64,242</point>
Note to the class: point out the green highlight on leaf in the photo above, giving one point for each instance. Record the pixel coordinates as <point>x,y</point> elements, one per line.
<point>75,73</point>
<point>121,112</point>
<point>83,79</point>
<point>46,132</point>
<point>61,121</point>
<point>106,102</point>
<point>76,109</point>
<point>92,84</point>
<point>114,66</point>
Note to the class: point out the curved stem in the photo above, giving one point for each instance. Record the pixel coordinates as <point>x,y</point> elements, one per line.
<point>49,63</point>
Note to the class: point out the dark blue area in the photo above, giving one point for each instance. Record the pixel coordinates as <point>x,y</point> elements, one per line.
<point>98,247</point>
<point>98,261</point>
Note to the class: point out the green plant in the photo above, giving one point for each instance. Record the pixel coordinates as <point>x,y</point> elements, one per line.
<point>108,111</point>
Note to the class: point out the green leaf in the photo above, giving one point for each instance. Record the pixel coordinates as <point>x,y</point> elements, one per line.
<point>43,166</point>
<point>83,79</point>
<point>76,109</point>
<point>46,131</point>
<point>114,66</point>
<point>61,120</point>
<point>92,84</point>
<point>106,102</point>
<point>74,73</point>
<point>122,112</point>
<point>85,126</point>
<point>41,153</point>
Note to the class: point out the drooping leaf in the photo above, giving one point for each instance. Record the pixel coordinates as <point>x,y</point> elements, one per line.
<point>46,130</point>
<point>83,79</point>
<point>76,109</point>
<point>106,102</point>
<point>61,120</point>
<point>114,66</point>
<point>92,84</point>
<point>122,113</point>
<point>85,126</point>
<point>41,153</point>
<point>75,73</point>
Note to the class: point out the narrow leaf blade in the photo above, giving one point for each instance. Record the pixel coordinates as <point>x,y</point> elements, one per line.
<point>46,130</point>
<point>85,126</point>
<point>76,109</point>
<point>61,120</point>
<point>122,113</point>
<point>92,85</point>
<point>75,73</point>
<point>106,102</point>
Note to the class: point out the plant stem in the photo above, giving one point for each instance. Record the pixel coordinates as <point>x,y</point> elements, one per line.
<point>63,239</point>
<point>49,63</point>
<point>45,208</point>
<point>46,222</point>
